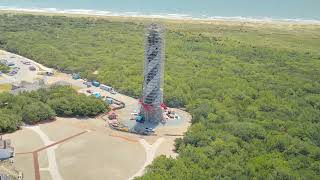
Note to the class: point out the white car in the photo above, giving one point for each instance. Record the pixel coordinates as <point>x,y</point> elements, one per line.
<point>149,130</point>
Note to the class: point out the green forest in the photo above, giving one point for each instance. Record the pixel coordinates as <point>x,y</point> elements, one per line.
<point>253,90</point>
<point>45,104</point>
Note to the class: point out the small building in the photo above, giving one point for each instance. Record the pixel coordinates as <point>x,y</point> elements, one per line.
<point>6,150</point>
<point>105,87</point>
<point>4,177</point>
<point>7,169</point>
<point>5,154</point>
<point>4,144</point>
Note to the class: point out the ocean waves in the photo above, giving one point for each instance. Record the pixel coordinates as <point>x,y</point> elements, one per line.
<point>173,16</point>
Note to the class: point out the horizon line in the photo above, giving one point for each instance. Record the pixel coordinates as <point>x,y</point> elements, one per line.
<point>170,16</point>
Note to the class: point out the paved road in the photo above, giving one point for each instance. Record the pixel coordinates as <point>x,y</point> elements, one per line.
<point>53,167</point>
<point>150,155</point>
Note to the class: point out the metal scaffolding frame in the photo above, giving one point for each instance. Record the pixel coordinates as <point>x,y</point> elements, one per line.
<point>152,96</point>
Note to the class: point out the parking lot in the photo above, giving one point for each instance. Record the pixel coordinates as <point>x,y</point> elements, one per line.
<point>19,69</point>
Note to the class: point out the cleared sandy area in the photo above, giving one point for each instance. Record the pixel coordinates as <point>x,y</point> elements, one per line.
<point>52,128</point>
<point>19,140</point>
<point>24,163</point>
<point>96,155</point>
<point>99,153</point>
<point>62,77</point>
<point>45,175</point>
<point>43,159</point>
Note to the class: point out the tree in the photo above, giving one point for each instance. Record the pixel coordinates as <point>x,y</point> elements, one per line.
<point>9,121</point>
<point>36,112</point>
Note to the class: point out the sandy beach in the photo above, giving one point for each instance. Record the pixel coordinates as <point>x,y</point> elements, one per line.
<point>272,23</point>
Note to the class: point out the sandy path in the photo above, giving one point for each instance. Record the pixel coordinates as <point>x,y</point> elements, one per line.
<point>150,152</point>
<point>53,167</point>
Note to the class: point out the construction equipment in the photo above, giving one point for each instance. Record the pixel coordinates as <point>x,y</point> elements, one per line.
<point>139,119</point>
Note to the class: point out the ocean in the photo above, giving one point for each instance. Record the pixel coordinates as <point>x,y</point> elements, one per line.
<point>285,10</point>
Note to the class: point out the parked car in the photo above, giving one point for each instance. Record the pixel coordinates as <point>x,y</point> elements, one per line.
<point>95,83</point>
<point>11,64</point>
<point>32,68</point>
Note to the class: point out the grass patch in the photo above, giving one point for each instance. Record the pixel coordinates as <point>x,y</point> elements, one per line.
<point>77,88</point>
<point>5,87</point>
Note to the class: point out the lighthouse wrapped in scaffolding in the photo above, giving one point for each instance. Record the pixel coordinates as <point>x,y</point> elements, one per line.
<point>152,96</point>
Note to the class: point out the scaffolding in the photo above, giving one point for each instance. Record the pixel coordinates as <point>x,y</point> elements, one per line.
<point>152,96</point>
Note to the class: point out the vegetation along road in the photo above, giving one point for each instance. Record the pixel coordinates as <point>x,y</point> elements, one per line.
<point>253,89</point>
